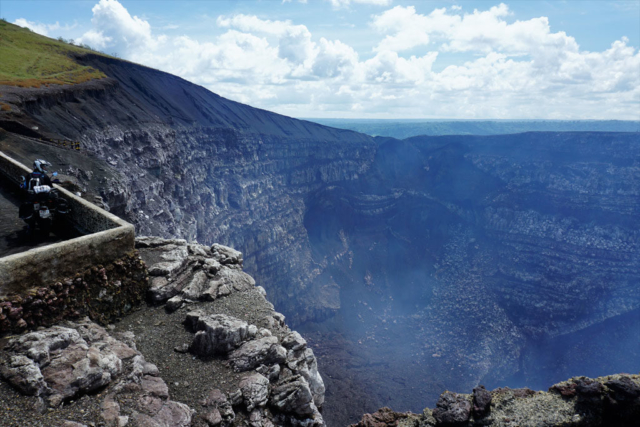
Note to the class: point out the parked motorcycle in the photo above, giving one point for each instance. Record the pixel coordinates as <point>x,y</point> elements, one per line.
<point>44,209</point>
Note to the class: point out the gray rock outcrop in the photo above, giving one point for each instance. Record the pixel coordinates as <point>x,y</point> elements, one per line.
<point>217,333</point>
<point>68,362</point>
<point>190,272</point>
<point>255,391</point>
<point>278,379</point>
<point>61,362</point>
<point>261,351</point>
<point>605,401</point>
<point>287,382</point>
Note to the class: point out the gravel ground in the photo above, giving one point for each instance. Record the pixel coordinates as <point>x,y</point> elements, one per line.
<point>190,378</point>
<point>157,335</point>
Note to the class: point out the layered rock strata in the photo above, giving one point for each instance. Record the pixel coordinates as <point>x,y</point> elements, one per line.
<point>481,260</point>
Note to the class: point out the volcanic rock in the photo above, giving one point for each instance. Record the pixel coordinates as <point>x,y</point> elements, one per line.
<point>255,391</point>
<point>261,351</point>
<point>68,362</point>
<point>217,333</point>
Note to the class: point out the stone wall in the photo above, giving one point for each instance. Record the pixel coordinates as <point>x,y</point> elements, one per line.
<point>107,238</point>
<point>102,292</point>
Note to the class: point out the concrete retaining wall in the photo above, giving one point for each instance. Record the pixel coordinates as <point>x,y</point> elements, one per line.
<point>107,239</point>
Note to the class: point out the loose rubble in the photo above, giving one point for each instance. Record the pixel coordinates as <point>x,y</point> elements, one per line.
<point>104,293</point>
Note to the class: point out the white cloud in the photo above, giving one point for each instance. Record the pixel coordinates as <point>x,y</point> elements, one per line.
<point>293,41</point>
<point>480,31</point>
<point>43,29</point>
<point>251,23</point>
<point>115,28</point>
<point>335,59</point>
<point>388,67</point>
<point>516,69</point>
<point>36,27</point>
<point>407,29</point>
<point>337,4</point>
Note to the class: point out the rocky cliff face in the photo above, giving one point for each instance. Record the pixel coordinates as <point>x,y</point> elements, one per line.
<point>413,266</point>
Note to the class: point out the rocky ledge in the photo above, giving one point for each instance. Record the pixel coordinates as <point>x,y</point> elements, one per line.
<point>208,350</point>
<point>605,401</point>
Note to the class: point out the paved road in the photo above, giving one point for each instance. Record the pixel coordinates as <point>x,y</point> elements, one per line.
<point>13,235</point>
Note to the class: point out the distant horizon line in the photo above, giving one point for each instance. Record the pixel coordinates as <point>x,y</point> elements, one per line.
<point>469,120</point>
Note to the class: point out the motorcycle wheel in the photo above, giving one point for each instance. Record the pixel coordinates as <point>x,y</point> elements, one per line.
<point>31,231</point>
<point>45,228</point>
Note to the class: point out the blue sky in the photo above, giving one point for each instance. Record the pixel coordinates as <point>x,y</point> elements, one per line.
<point>375,58</point>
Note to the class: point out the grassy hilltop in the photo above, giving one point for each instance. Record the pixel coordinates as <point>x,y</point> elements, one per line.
<point>32,60</point>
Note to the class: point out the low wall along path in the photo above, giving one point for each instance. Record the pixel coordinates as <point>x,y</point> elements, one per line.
<point>107,238</point>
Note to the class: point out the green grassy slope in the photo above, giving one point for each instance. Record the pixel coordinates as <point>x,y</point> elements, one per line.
<point>32,60</point>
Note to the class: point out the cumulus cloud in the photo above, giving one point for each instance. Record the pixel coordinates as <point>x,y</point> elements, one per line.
<point>334,59</point>
<point>293,42</point>
<point>480,31</point>
<point>515,68</point>
<point>114,27</point>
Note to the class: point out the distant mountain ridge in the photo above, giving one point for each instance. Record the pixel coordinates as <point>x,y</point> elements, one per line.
<point>402,129</point>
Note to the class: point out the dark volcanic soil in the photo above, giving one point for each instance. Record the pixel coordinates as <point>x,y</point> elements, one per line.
<point>157,334</point>
<point>191,378</point>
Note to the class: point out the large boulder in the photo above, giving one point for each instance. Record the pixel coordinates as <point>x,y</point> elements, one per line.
<point>219,410</point>
<point>226,255</point>
<point>301,360</point>
<point>252,354</point>
<point>452,409</point>
<point>184,271</point>
<point>255,391</point>
<point>62,363</point>
<point>292,395</point>
<point>217,333</point>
